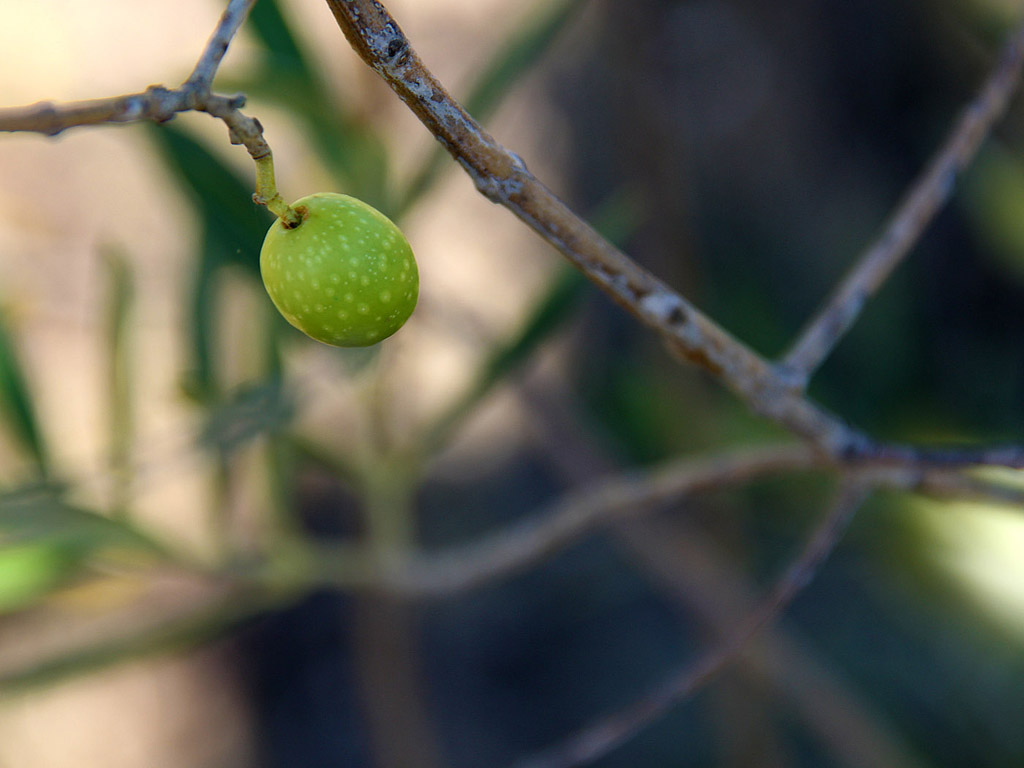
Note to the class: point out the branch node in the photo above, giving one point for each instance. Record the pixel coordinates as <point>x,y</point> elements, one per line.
<point>160,103</point>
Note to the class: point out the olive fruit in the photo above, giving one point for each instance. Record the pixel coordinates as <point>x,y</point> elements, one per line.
<point>345,275</point>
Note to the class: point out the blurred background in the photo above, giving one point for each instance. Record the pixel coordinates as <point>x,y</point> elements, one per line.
<point>163,431</point>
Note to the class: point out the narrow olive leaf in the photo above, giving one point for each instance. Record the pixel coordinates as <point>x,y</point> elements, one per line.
<point>232,229</point>
<point>29,572</point>
<point>273,31</point>
<point>616,217</point>
<point>119,378</point>
<point>17,406</point>
<point>179,634</point>
<point>202,383</point>
<point>46,543</point>
<point>326,457</point>
<point>547,316</point>
<point>38,513</point>
<point>221,198</point>
<point>519,53</point>
<point>252,410</point>
<point>513,59</point>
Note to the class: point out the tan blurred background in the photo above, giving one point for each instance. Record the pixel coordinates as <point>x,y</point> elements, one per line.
<point>66,201</point>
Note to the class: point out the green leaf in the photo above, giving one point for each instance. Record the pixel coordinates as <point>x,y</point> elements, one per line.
<point>174,635</point>
<point>119,378</point>
<point>615,218</point>
<point>519,53</point>
<point>253,410</point>
<point>232,230</point>
<point>16,402</point>
<point>222,199</point>
<point>38,513</point>
<point>352,150</point>
<point>29,572</point>
<point>548,315</point>
<point>201,382</point>
<point>272,30</point>
<point>994,198</point>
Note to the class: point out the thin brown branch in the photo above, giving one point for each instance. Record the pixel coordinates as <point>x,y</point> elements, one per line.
<point>608,733</point>
<point>957,485</point>
<point>512,549</point>
<point>932,458</point>
<point>775,392</point>
<point>710,586</point>
<point>503,178</point>
<point>161,104</point>
<point>157,102</point>
<point>925,197</point>
<point>230,22</point>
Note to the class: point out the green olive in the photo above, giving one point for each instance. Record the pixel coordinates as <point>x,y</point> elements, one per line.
<point>345,275</point>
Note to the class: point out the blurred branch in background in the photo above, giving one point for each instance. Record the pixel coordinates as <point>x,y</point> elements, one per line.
<point>920,204</point>
<point>599,738</point>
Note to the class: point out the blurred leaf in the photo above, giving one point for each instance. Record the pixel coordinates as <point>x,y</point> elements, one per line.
<point>232,230</point>
<point>201,382</point>
<point>30,571</point>
<point>222,199</point>
<point>252,411</point>
<point>44,542</point>
<point>119,380</point>
<point>520,52</point>
<point>994,195</point>
<point>352,150</point>
<point>615,218</point>
<point>177,634</point>
<point>16,404</point>
<point>548,315</point>
<point>38,513</point>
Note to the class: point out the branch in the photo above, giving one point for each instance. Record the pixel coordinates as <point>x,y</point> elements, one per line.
<point>502,177</point>
<point>511,549</point>
<point>774,392</point>
<point>156,103</point>
<point>692,571</point>
<point>930,458</point>
<point>228,26</point>
<point>600,738</point>
<point>161,104</point>
<point>514,548</point>
<point>921,203</point>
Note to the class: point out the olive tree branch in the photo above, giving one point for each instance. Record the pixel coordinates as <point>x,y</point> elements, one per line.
<point>704,581</point>
<point>771,390</point>
<point>459,568</point>
<point>230,22</point>
<point>514,548</point>
<point>600,738</point>
<point>502,177</point>
<point>160,104</point>
<point>922,201</point>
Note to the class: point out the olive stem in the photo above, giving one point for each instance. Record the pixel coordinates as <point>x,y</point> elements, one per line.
<point>267,194</point>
